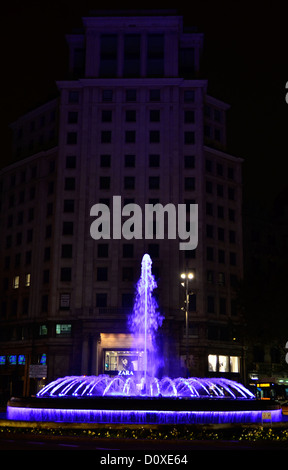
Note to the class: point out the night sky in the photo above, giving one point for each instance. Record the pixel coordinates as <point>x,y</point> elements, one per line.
<point>245,59</point>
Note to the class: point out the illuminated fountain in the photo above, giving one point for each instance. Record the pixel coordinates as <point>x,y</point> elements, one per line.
<point>142,397</point>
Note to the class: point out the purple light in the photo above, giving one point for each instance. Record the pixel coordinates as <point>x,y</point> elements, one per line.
<point>157,401</point>
<point>138,416</point>
<point>102,385</point>
<point>146,319</point>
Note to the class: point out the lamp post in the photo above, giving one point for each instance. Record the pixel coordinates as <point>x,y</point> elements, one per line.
<point>186,277</point>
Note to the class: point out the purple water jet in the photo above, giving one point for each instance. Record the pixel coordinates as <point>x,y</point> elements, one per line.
<point>145,321</point>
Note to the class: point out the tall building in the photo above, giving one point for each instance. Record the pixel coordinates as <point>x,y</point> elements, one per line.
<point>133,119</point>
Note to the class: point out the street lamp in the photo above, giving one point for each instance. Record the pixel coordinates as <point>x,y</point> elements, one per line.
<point>187,276</point>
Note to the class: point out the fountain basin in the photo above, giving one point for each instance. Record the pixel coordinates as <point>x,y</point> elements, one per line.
<point>142,410</point>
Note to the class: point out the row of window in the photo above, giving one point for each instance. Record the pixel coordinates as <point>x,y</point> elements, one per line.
<point>129,137</point>
<point>20,359</point>
<point>214,305</point>
<point>212,254</point>
<point>131,116</point>
<point>222,363</point>
<point>108,95</point>
<point>153,161</point>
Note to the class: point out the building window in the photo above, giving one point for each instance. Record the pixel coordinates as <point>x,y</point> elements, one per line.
<point>43,330</point>
<point>120,360</point>
<point>154,160</point>
<point>101,300</point>
<point>102,249</point>
<point>189,116</point>
<point>27,280</point>
<point>189,137</point>
<point>66,251</point>
<point>222,306</point>
<point>154,137</point>
<point>189,161</point>
<point>212,363</point>
<point>63,329</point>
<point>16,282</point>
<point>107,96</point>
<point>153,250</point>
<point>108,55</point>
<point>130,137</point>
<point>72,138</point>
<point>189,96</point>
<point>132,52</point>
<point>104,182</point>
<point>72,117</point>
<point>105,161</point>
<point>235,364</point>
<point>69,206</point>
<point>189,183</point>
<point>232,259</point>
<point>128,250</point>
<point>221,256</point>
<point>224,364</point>
<point>127,301</point>
<point>73,97</point>
<point>154,95</point>
<point>131,95</point>
<point>130,115</point>
<point>129,182</point>
<point>68,228</point>
<point>44,303</point>
<point>69,184</point>
<point>155,55</point>
<point>127,274</point>
<point>186,62</point>
<point>46,276</point>
<point>102,274</point>
<point>210,253</point>
<point>154,182</point>
<point>210,303</point>
<point>106,115</point>
<point>65,274</point>
<point>71,161</point>
<point>64,302</point>
<point>129,161</point>
<point>106,137</point>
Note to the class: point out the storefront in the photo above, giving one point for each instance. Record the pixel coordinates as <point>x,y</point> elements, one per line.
<point>118,355</point>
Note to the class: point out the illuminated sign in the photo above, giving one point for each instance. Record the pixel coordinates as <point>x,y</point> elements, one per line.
<point>125,372</point>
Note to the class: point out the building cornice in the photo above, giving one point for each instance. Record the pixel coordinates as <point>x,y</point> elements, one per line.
<point>221,154</point>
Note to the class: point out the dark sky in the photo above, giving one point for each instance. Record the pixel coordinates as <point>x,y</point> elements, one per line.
<point>245,60</point>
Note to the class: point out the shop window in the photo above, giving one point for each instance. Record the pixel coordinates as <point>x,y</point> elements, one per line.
<point>235,364</point>
<point>223,363</point>
<point>123,362</point>
<point>212,363</point>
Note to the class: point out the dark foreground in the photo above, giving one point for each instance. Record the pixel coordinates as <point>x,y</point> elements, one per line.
<point>141,447</point>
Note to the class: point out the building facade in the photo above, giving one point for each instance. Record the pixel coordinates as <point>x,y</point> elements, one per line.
<point>133,119</point>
